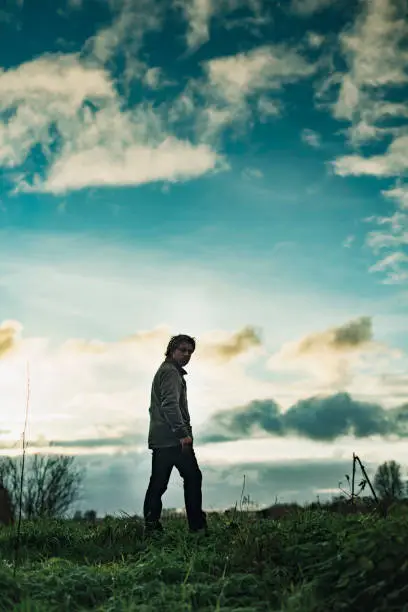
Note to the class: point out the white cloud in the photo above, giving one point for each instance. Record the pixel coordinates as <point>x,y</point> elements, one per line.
<point>265,68</point>
<point>400,194</point>
<point>377,57</point>
<point>236,89</point>
<point>311,138</point>
<point>133,19</point>
<point>48,90</point>
<point>373,46</point>
<point>393,162</point>
<point>156,79</point>
<point>99,144</point>
<point>393,264</point>
<point>304,8</point>
<point>315,40</point>
<point>236,82</point>
<point>392,238</point>
<point>199,14</point>
<point>212,121</point>
<point>69,106</point>
<point>349,241</point>
<point>268,108</point>
<point>119,164</point>
<point>376,54</point>
<point>152,77</point>
<point>390,261</point>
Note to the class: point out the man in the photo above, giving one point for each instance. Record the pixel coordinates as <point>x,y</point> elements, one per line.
<point>171,438</point>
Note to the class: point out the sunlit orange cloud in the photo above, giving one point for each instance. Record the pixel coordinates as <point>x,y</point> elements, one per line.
<point>9,335</point>
<point>330,355</point>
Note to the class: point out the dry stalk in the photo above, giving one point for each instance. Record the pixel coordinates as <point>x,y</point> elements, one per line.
<point>17,541</point>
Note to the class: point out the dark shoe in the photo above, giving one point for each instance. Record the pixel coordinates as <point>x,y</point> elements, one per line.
<point>153,528</point>
<point>202,531</point>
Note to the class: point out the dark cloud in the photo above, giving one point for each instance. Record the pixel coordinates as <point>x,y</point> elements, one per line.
<point>316,418</point>
<point>400,415</point>
<point>233,424</point>
<point>299,480</point>
<point>338,415</point>
<point>352,335</point>
<point>125,440</point>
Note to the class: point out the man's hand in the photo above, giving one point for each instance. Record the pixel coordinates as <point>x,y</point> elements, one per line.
<point>186,443</point>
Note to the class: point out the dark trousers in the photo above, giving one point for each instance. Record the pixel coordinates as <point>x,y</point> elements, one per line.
<point>163,461</point>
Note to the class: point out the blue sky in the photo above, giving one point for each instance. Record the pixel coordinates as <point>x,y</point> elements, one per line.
<point>234,170</point>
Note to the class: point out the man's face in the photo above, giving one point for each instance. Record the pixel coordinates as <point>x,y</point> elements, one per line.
<point>183,353</point>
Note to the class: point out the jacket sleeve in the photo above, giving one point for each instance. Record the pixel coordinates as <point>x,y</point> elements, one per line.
<point>170,387</point>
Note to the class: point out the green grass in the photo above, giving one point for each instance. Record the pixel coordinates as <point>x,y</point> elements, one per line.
<point>315,561</point>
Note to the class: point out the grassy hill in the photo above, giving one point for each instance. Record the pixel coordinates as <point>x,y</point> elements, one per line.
<point>311,560</point>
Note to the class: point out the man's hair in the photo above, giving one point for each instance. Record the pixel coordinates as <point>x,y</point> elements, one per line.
<point>176,341</point>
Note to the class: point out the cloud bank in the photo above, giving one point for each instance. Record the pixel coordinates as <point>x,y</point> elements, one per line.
<point>316,418</point>
<point>110,382</point>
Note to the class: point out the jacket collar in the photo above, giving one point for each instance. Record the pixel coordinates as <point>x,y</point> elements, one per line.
<point>178,366</point>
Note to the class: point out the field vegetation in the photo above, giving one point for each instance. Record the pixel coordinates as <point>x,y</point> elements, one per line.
<point>349,554</point>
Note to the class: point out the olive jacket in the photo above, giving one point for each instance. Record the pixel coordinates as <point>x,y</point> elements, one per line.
<point>169,416</point>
